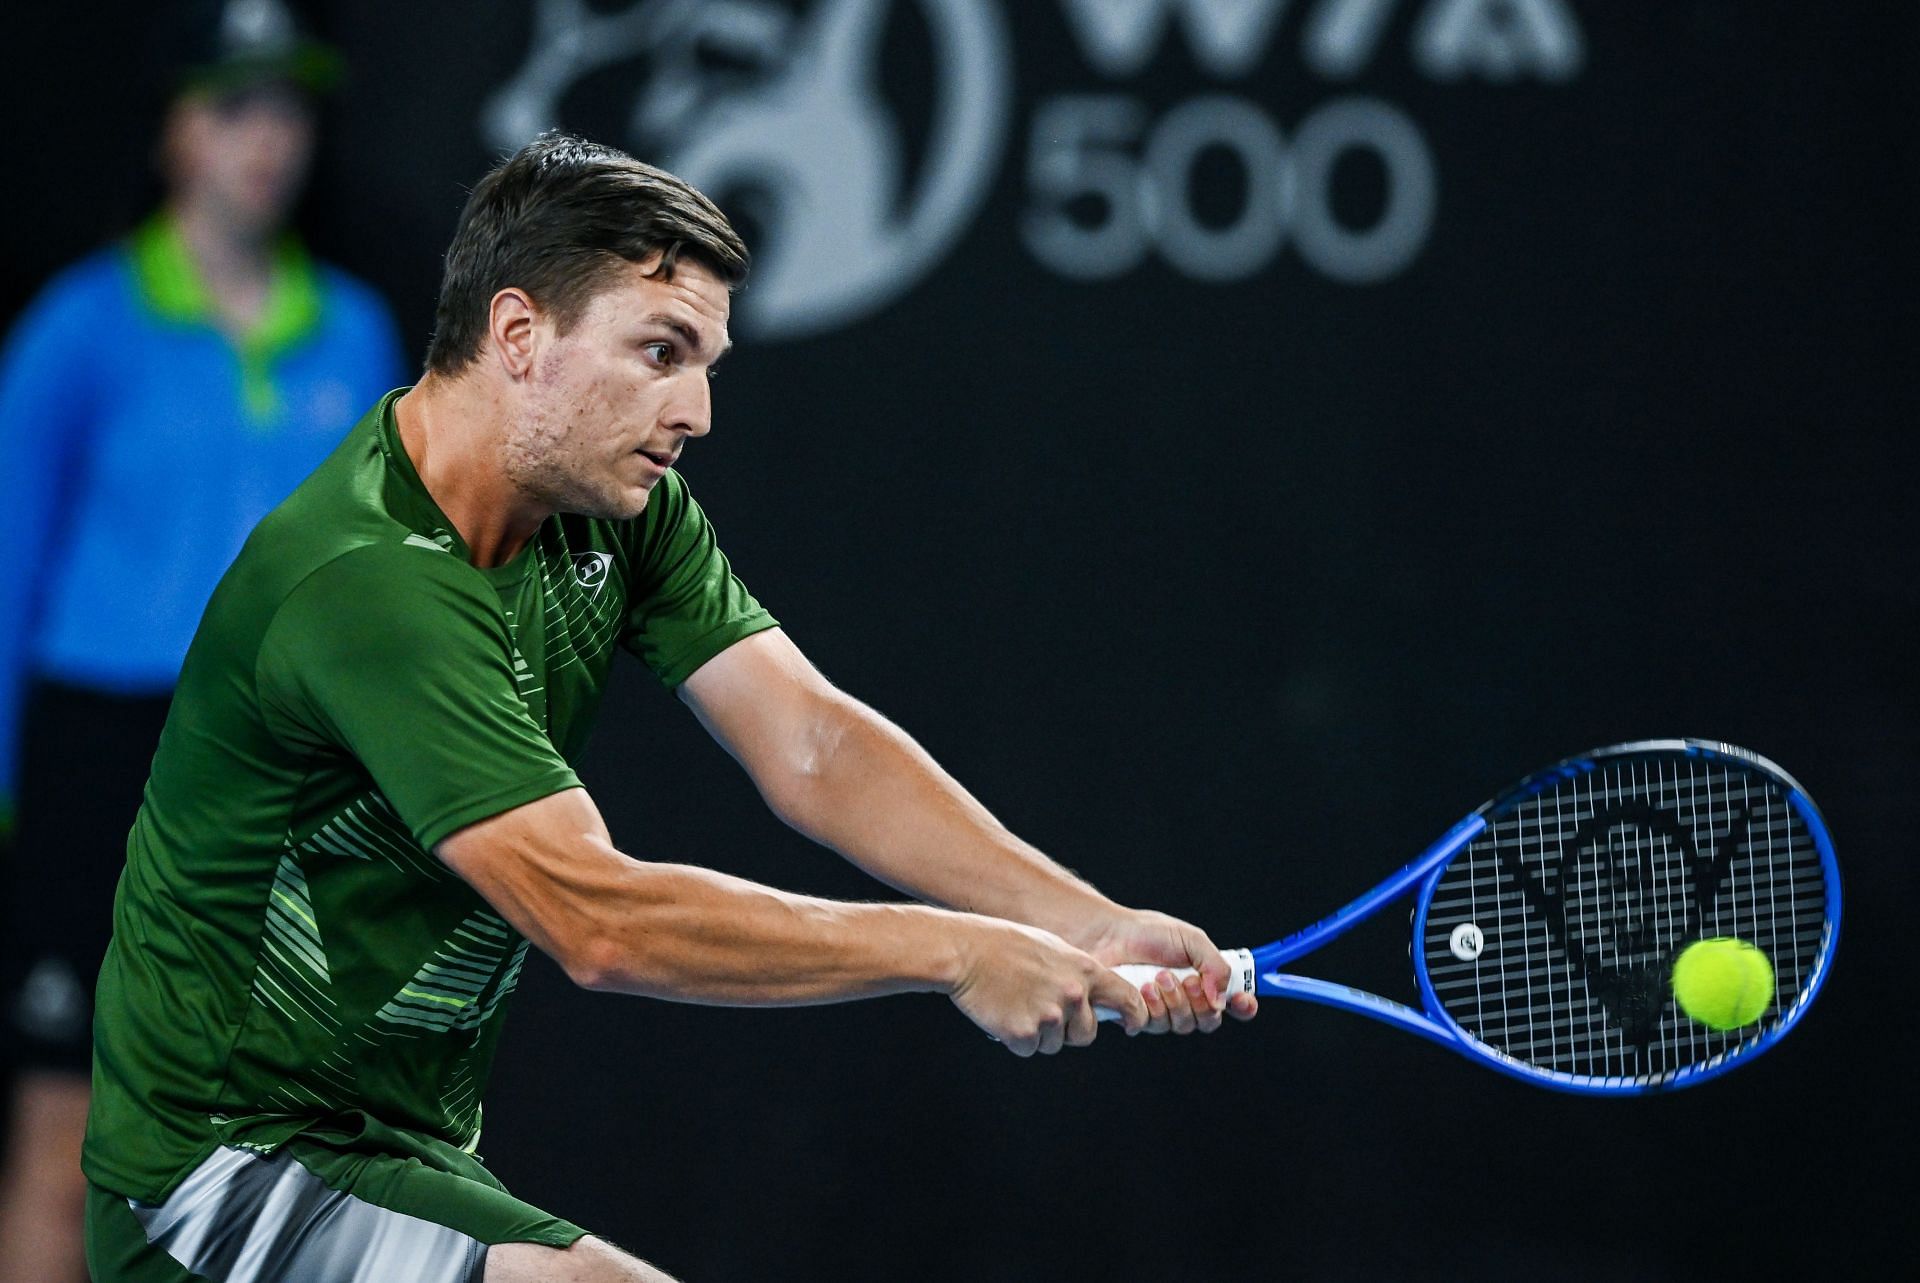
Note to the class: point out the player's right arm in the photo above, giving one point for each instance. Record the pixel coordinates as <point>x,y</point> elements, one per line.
<point>695,935</point>
<point>398,656</point>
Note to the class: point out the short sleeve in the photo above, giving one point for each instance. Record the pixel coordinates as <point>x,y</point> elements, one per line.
<point>399,657</point>
<point>685,604</point>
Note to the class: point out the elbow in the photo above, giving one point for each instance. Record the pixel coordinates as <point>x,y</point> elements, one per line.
<point>608,938</point>
<point>594,962</point>
<point>799,786</point>
<point>793,799</point>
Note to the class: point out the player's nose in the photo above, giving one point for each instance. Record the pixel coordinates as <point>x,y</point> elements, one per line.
<point>692,411</point>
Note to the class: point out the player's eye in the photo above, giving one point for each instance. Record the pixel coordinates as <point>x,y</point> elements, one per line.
<point>659,353</point>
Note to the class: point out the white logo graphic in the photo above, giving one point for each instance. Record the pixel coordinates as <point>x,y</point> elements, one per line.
<point>1466,942</point>
<point>776,109</point>
<point>805,140</point>
<point>590,570</point>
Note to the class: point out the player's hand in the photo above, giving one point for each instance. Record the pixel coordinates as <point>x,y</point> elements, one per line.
<point>1173,1006</point>
<point>1034,992</point>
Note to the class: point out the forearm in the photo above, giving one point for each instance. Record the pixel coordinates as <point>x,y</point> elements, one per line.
<point>694,935</point>
<point>879,799</point>
<point>678,932</point>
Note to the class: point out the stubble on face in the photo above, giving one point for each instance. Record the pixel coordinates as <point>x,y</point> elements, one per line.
<point>608,406</point>
<point>549,457</point>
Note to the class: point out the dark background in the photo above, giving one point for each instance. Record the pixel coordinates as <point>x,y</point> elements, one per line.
<point>1232,596</point>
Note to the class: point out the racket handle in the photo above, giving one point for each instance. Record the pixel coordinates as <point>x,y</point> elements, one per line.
<point>1239,976</point>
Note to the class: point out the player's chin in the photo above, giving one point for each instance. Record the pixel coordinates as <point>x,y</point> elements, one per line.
<point>633,501</point>
<point>614,503</point>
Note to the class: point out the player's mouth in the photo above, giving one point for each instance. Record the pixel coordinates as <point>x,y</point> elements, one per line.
<point>661,459</point>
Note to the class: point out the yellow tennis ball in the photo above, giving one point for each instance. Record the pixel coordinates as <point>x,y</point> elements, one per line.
<point>1723,982</point>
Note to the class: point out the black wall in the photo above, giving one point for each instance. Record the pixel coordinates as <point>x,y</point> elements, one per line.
<point>1232,595</point>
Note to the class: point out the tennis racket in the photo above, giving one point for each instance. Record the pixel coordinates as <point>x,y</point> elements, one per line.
<point>1545,923</point>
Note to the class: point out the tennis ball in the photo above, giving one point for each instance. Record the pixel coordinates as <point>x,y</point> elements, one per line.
<point>1723,982</point>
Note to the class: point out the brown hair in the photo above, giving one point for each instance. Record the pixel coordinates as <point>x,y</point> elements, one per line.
<point>556,219</point>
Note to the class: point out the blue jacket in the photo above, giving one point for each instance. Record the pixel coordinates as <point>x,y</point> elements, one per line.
<point>139,445</point>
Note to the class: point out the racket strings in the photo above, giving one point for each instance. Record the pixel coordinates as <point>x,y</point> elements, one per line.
<point>1583,893</point>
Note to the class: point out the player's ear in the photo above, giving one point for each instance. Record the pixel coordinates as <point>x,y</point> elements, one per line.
<point>511,328</point>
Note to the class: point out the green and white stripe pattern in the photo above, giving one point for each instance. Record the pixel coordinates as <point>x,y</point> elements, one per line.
<point>292,977</point>
<point>458,988</point>
<point>468,975</point>
<point>580,624</point>
<point>368,828</point>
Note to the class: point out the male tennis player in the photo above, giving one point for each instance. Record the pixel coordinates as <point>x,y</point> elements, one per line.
<point>362,808</point>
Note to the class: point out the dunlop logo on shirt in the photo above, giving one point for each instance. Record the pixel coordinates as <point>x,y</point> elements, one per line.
<point>590,570</point>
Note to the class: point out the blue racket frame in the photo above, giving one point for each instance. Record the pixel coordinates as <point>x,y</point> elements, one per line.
<point>1435,1025</point>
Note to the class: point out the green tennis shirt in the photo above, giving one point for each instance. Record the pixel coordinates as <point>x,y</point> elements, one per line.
<point>288,958</point>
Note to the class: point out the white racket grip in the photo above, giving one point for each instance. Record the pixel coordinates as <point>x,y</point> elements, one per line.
<point>1239,976</point>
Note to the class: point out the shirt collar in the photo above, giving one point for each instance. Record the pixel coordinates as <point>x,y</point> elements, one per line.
<point>170,283</point>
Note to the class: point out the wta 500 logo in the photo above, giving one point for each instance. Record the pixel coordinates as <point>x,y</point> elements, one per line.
<point>785,115</point>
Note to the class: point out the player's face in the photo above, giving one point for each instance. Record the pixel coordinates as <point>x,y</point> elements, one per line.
<point>613,401</point>
<point>244,154</point>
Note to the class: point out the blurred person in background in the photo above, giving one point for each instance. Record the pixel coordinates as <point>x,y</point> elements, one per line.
<point>156,400</point>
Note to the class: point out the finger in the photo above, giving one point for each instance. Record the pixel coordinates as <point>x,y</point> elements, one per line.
<point>1082,1024</point>
<point>1206,1016</point>
<point>1112,991</point>
<point>1157,1020</point>
<point>1053,1032</point>
<point>1243,1006</point>
<point>1214,973</point>
<point>1179,1006</point>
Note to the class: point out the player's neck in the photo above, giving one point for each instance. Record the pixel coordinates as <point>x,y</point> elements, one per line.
<point>450,429</point>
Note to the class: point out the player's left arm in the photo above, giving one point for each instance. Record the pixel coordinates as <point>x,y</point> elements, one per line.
<point>839,772</point>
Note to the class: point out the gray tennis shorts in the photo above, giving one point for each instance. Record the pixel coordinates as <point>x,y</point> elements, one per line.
<point>243,1217</point>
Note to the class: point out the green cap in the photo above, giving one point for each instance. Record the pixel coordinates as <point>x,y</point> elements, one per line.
<point>226,45</point>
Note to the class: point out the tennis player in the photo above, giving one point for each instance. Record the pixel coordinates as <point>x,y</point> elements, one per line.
<point>362,810</point>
